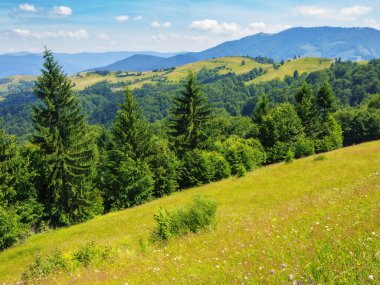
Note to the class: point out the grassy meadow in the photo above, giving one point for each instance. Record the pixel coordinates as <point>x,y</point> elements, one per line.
<point>316,219</point>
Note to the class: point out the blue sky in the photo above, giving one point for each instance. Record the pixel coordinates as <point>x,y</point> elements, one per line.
<point>166,26</point>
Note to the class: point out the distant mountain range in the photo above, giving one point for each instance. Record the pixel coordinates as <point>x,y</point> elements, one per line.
<point>327,42</point>
<point>30,64</point>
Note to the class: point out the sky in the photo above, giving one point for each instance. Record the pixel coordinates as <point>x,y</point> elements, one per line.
<point>73,26</point>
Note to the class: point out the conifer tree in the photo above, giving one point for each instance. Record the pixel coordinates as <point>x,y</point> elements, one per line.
<point>325,100</point>
<point>64,148</point>
<point>305,108</point>
<point>189,115</point>
<point>261,109</point>
<point>128,180</point>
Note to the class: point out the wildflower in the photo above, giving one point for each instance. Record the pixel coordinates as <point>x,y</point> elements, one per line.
<point>291,276</point>
<point>283,265</point>
<point>370,277</point>
<point>271,271</point>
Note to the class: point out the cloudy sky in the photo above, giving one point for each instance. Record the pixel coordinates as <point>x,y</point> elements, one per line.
<point>164,25</point>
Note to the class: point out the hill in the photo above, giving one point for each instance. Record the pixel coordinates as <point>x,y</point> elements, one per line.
<point>325,42</point>
<point>274,226</point>
<point>221,65</point>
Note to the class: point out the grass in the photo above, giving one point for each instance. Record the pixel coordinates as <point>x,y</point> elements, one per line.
<point>301,64</point>
<point>313,218</point>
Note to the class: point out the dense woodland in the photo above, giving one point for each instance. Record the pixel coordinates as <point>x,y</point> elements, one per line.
<point>76,156</point>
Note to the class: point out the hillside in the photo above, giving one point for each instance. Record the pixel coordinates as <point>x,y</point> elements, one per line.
<point>222,65</point>
<point>313,218</point>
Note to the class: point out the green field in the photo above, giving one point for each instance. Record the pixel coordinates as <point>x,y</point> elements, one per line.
<point>315,217</point>
<point>224,66</point>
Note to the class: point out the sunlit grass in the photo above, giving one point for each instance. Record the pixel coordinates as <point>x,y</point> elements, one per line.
<point>313,218</point>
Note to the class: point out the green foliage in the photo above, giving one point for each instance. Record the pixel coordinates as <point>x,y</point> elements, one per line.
<point>65,150</point>
<point>127,182</point>
<point>199,215</point>
<point>242,154</point>
<point>289,156</point>
<point>130,133</point>
<point>359,125</point>
<point>199,167</point>
<point>261,109</point>
<point>190,114</point>
<point>165,168</point>
<point>11,229</point>
<point>91,254</point>
<point>305,108</point>
<point>127,178</point>
<point>43,267</point>
<point>304,147</point>
<point>329,136</point>
<point>325,99</point>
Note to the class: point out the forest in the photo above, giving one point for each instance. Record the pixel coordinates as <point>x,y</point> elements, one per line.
<point>66,157</point>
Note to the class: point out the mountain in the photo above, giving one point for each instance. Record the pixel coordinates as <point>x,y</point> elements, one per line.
<point>326,42</point>
<point>30,64</point>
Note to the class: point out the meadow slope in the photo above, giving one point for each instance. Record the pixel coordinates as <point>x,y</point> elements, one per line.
<point>316,218</point>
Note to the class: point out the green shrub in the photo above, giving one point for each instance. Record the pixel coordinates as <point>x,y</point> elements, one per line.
<point>289,156</point>
<point>304,147</point>
<point>239,152</point>
<point>91,254</point>
<point>199,215</point>
<point>45,266</point>
<point>11,230</point>
<point>199,167</point>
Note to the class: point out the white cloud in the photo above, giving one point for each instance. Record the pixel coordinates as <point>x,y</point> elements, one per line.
<point>215,27</point>
<point>344,14</point>
<point>103,36</point>
<point>27,7</point>
<point>373,24</point>
<point>137,18</point>
<point>157,24</point>
<point>62,11</point>
<point>311,11</point>
<point>159,37</point>
<point>122,18</point>
<point>355,11</point>
<point>79,34</point>
<point>233,29</point>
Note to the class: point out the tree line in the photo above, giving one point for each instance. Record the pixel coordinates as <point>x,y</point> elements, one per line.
<point>70,171</point>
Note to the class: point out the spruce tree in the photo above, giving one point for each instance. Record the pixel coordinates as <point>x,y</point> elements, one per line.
<point>325,100</point>
<point>261,109</point>
<point>305,108</point>
<point>189,116</point>
<point>127,179</point>
<point>64,148</point>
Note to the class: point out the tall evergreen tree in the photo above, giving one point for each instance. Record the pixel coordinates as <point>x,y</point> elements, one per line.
<point>261,109</point>
<point>127,179</point>
<point>65,150</point>
<point>325,100</point>
<point>189,115</point>
<point>305,108</point>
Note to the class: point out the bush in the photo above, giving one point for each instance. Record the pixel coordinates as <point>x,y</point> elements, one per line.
<point>304,147</point>
<point>43,267</point>
<point>11,230</point>
<point>199,215</point>
<point>247,153</point>
<point>199,167</point>
<point>289,156</point>
<point>330,136</point>
<point>91,254</point>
